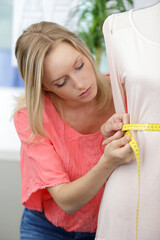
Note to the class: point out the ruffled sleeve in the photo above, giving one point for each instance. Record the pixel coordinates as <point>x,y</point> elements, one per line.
<point>41,166</point>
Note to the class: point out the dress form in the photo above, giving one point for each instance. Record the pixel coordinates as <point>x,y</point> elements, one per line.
<point>133,50</point>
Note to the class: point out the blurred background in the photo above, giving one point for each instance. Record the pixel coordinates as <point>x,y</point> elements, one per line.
<point>80,16</point>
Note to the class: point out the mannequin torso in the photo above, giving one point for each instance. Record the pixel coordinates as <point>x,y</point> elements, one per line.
<point>133,50</point>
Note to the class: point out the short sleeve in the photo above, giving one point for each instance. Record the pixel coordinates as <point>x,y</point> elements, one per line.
<point>115,76</point>
<point>41,166</point>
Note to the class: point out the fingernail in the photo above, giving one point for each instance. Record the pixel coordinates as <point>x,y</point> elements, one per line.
<point>105,142</point>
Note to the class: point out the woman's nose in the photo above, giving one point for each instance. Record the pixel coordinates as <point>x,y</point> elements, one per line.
<point>78,83</point>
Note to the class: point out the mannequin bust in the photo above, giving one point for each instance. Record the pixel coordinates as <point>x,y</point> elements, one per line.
<point>132,41</point>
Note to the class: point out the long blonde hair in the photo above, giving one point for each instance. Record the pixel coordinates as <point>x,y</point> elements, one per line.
<point>31,48</point>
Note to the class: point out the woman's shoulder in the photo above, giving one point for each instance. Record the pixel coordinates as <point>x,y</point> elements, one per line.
<point>21,116</point>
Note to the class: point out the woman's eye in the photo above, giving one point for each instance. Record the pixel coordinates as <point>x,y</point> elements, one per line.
<point>81,66</point>
<point>62,83</point>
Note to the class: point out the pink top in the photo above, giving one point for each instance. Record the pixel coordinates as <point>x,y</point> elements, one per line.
<point>63,158</point>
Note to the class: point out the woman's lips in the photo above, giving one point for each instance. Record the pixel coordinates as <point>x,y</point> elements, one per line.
<point>84,94</point>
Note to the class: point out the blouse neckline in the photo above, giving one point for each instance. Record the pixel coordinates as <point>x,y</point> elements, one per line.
<point>138,31</point>
<point>68,126</point>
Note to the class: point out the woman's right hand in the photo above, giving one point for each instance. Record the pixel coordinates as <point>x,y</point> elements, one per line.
<point>118,152</point>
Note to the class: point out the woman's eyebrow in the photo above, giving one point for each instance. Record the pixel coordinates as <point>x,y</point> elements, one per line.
<point>72,66</point>
<point>76,60</point>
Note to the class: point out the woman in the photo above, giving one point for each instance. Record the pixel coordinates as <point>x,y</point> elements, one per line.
<point>64,165</point>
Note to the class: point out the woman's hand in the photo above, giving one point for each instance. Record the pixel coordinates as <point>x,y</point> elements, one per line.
<point>118,152</point>
<point>111,129</point>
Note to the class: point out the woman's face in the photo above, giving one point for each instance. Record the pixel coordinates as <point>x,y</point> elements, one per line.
<point>69,74</point>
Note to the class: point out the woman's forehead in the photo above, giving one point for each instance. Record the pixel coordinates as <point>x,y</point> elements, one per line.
<point>63,52</point>
<point>61,59</point>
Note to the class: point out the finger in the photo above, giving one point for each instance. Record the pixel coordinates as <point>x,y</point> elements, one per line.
<point>120,142</point>
<point>127,149</point>
<point>127,152</point>
<point>116,136</point>
<point>126,118</point>
<point>117,117</point>
<point>109,128</point>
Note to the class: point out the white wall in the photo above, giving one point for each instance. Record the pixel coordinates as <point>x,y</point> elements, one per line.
<point>10,181</point>
<point>10,199</point>
<point>9,142</point>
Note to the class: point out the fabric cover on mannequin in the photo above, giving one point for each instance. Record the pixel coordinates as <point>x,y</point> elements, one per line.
<point>132,42</point>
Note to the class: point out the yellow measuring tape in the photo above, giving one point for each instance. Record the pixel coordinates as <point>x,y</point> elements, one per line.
<point>134,146</point>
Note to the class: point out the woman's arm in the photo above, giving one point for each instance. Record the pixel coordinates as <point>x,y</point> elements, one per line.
<point>72,196</point>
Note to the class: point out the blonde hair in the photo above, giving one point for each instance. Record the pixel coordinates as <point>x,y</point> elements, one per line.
<point>31,48</point>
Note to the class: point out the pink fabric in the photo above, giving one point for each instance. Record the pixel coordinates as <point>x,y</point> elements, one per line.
<point>64,157</point>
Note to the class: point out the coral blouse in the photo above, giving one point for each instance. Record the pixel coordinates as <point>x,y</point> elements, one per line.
<point>64,157</point>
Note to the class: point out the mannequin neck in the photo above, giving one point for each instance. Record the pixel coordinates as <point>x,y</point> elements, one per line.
<point>147,20</point>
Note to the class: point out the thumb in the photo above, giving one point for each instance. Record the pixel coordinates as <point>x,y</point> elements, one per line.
<point>126,118</point>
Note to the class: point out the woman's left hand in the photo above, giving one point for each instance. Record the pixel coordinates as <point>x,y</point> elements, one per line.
<point>111,129</point>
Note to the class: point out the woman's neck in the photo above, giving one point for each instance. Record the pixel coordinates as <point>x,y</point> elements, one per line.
<point>84,118</point>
